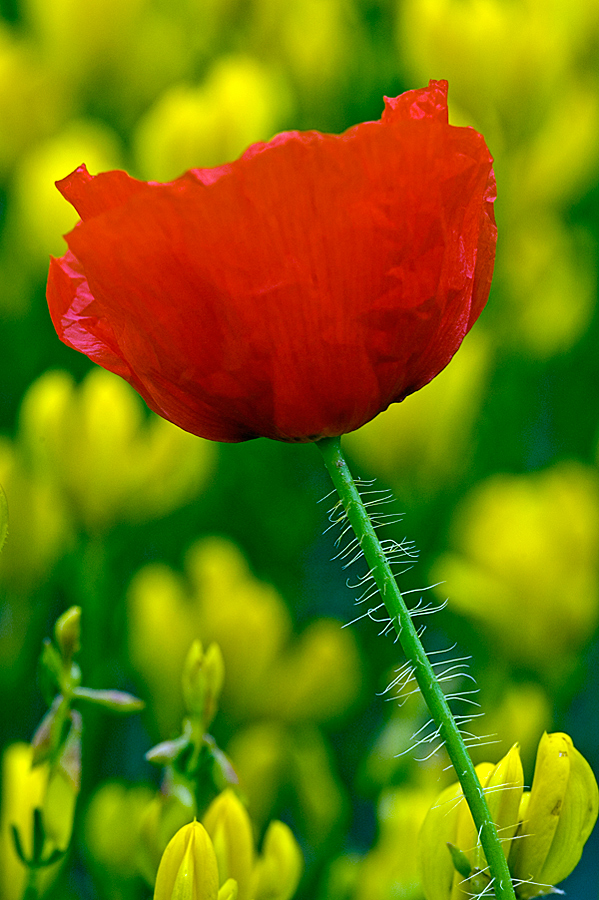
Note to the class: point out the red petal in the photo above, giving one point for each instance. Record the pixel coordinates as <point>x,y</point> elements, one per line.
<point>91,196</point>
<point>427,103</point>
<point>296,292</point>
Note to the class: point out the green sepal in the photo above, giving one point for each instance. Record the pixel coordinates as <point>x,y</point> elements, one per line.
<point>460,861</point>
<point>52,858</point>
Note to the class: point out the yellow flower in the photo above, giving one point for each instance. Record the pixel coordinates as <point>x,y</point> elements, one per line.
<point>26,787</point>
<point>188,869</point>
<point>113,824</point>
<point>241,101</point>
<point>109,461</point>
<point>269,673</point>
<point>542,831</point>
<point>199,858</point>
<point>527,536</point>
<point>275,874</point>
<point>203,676</point>
<point>229,826</point>
<point>557,816</point>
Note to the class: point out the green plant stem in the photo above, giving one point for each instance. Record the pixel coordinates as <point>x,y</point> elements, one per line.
<point>30,891</point>
<point>423,670</point>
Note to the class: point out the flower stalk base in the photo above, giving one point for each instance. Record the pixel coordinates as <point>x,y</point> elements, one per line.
<point>423,670</point>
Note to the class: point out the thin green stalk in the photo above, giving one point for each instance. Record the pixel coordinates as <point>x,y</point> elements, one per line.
<point>423,670</point>
<point>30,891</point>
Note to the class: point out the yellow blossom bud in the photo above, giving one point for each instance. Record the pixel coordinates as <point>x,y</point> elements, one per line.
<point>203,677</point>
<point>109,459</point>
<point>188,868</point>
<point>558,818</point>
<point>543,831</point>
<point>229,826</point>
<point>503,792</point>
<point>525,536</point>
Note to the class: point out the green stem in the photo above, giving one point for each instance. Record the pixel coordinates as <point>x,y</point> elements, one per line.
<point>423,670</point>
<point>30,891</point>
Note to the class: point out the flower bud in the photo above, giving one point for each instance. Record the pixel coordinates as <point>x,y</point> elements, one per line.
<point>38,803</point>
<point>557,819</point>
<point>542,831</point>
<point>203,678</point>
<point>113,824</point>
<point>228,824</point>
<point>188,868</point>
<point>68,631</point>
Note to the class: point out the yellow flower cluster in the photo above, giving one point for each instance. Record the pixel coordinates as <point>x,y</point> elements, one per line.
<point>543,831</point>
<point>535,537</point>
<point>268,675</point>
<point>278,686</point>
<point>216,860</point>
<point>524,74</point>
<point>26,787</point>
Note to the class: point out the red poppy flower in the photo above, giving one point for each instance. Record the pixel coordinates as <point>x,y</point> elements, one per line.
<point>294,293</point>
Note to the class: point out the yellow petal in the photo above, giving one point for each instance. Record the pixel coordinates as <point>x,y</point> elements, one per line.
<point>188,869</point>
<point>467,835</point>
<point>577,818</point>
<point>434,859</point>
<point>229,890</point>
<point>277,872</point>
<point>228,824</point>
<point>503,792</point>
<point>552,771</point>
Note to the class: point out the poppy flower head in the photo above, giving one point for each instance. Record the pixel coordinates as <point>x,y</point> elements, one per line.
<point>295,292</point>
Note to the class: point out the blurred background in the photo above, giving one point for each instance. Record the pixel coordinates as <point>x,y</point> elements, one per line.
<point>161,537</point>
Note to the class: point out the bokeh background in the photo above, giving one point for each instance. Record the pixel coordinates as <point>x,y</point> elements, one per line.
<point>161,537</point>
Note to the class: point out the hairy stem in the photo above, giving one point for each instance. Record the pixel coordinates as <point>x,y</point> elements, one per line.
<point>423,670</point>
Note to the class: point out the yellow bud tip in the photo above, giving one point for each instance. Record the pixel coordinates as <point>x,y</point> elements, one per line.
<point>188,868</point>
